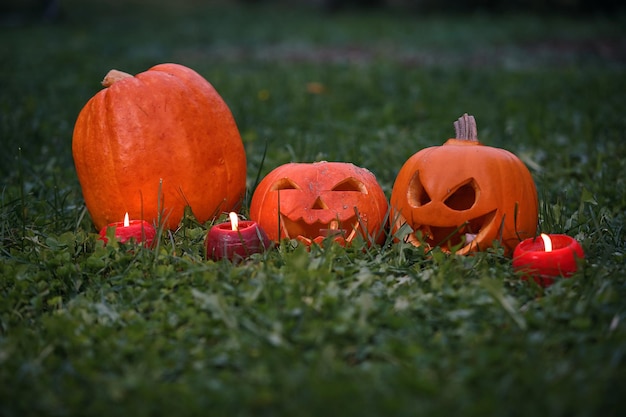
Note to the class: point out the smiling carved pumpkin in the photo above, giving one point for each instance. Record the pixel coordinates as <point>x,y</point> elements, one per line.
<point>463,195</point>
<point>312,201</point>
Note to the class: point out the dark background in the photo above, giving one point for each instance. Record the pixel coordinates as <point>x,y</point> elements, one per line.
<point>53,9</point>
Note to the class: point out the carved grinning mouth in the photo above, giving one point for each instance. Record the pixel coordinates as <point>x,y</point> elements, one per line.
<point>318,231</point>
<point>455,236</point>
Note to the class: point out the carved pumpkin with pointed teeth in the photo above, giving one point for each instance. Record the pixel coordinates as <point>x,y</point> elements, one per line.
<point>312,201</point>
<point>463,196</point>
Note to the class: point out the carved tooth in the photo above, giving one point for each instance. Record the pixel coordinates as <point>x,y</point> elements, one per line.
<point>282,227</point>
<point>354,231</point>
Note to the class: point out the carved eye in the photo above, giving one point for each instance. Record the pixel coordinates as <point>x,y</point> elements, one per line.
<point>284,184</point>
<point>417,195</point>
<point>464,197</point>
<point>350,184</point>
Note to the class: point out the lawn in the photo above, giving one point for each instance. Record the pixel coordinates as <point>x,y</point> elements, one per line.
<point>93,330</point>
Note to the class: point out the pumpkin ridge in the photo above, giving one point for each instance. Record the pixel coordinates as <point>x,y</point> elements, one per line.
<point>194,82</point>
<point>192,87</point>
<point>109,142</point>
<point>95,162</point>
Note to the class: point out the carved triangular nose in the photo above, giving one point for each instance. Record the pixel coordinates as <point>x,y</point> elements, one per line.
<point>319,204</point>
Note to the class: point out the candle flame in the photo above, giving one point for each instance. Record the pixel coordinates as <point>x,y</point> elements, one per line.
<point>547,242</point>
<point>126,220</point>
<point>234,220</point>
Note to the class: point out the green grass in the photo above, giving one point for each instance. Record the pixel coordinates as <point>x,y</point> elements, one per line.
<point>92,330</point>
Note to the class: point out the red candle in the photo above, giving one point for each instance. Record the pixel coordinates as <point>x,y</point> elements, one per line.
<point>139,230</point>
<point>546,257</point>
<point>236,239</point>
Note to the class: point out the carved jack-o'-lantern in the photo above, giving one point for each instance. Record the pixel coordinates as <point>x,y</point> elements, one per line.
<point>311,202</point>
<point>464,195</point>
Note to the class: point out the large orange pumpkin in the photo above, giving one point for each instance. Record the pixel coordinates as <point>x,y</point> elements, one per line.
<point>312,201</point>
<point>152,144</point>
<point>464,195</point>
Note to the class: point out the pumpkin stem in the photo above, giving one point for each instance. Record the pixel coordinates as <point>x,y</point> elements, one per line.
<point>465,128</point>
<point>114,76</point>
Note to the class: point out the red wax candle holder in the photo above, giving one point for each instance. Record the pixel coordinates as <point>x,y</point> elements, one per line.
<point>138,230</point>
<point>535,259</point>
<point>236,240</point>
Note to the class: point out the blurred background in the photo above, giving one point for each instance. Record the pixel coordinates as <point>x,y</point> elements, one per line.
<point>301,76</point>
<point>16,11</point>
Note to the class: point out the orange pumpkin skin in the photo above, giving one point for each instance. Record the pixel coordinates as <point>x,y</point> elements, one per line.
<point>311,201</point>
<point>158,142</point>
<point>467,195</point>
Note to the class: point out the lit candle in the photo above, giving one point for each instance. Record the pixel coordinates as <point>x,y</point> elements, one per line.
<point>333,232</point>
<point>547,257</point>
<point>138,230</point>
<point>236,239</point>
